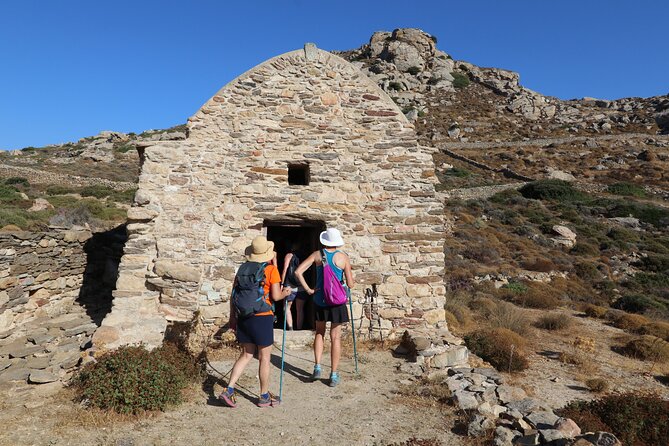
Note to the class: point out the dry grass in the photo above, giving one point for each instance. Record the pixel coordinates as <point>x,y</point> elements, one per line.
<point>659,329</point>
<point>425,392</point>
<point>647,348</point>
<point>501,347</point>
<point>556,321</point>
<point>597,385</point>
<point>595,311</point>
<point>631,322</point>
<point>508,316</point>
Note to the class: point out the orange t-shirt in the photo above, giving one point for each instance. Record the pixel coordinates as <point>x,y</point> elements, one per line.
<point>272,276</point>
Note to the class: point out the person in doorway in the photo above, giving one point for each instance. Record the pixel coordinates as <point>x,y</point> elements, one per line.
<point>290,263</point>
<point>336,315</point>
<point>253,318</point>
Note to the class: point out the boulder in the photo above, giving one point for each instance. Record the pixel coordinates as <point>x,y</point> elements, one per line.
<point>568,427</point>
<point>662,121</point>
<point>507,394</point>
<point>40,204</point>
<point>542,419</point>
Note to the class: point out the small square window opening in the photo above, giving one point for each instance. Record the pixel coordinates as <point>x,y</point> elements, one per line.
<point>298,174</point>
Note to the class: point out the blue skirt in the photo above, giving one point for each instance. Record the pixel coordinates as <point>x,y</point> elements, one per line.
<point>257,330</point>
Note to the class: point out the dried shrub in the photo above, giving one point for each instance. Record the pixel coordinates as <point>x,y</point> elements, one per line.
<point>587,270</point>
<point>483,306</point>
<point>461,314</point>
<point>510,317</point>
<point>647,348</point>
<point>627,321</point>
<point>658,329</point>
<point>502,348</point>
<point>133,379</point>
<point>557,321</point>
<point>539,296</point>
<point>639,420</point>
<point>595,311</point>
<point>539,265</point>
<point>597,385</point>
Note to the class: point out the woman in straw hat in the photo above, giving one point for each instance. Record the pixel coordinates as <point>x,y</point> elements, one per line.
<point>256,332</point>
<point>336,315</point>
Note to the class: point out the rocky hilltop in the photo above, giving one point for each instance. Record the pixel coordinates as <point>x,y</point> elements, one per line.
<point>407,64</point>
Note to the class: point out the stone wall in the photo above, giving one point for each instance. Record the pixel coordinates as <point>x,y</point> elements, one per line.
<point>55,289</point>
<point>201,201</point>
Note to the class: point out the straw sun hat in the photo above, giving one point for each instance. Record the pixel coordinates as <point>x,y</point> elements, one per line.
<point>260,250</point>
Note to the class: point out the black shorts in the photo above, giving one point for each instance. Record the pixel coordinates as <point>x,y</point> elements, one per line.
<point>257,330</point>
<point>337,314</point>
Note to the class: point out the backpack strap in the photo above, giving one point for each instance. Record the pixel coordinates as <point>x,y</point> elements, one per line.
<point>260,276</point>
<point>325,261</point>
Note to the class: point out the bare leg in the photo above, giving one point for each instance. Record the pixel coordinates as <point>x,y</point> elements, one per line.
<point>289,315</point>
<point>335,351</point>
<point>241,363</point>
<point>318,341</point>
<point>264,359</point>
<point>299,312</point>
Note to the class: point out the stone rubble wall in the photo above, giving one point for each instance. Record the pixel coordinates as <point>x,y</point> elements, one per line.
<point>202,200</point>
<point>489,401</point>
<point>55,288</point>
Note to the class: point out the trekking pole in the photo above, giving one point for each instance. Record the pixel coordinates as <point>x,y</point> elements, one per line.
<point>355,348</point>
<point>283,348</point>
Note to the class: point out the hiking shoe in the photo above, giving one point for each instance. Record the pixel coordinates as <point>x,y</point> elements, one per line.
<point>316,375</point>
<point>228,397</point>
<point>268,399</point>
<point>334,379</point>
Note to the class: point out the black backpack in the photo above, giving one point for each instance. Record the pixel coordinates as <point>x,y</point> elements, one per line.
<point>290,278</point>
<point>248,293</point>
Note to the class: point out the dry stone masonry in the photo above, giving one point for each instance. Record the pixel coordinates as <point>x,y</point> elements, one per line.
<point>201,200</point>
<point>491,404</point>
<point>55,288</point>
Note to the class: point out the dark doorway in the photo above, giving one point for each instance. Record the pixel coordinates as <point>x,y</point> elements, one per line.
<point>304,234</point>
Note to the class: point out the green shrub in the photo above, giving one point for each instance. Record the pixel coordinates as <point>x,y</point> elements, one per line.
<point>132,379</point>
<point>516,287</point>
<point>20,181</point>
<point>556,321</point>
<point>59,190</point>
<point>126,196</point>
<point>413,70</point>
<point>626,189</point>
<point>9,194</point>
<point>654,263</point>
<point>635,419</point>
<point>124,148</point>
<point>502,348</point>
<point>96,191</point>
<point>647,348</point>
<point>16,217</point>
<point>647,213</point>
<point>457,172</point>
<point>554,190</point>
<point>635,303</point>
<point>460,80</point>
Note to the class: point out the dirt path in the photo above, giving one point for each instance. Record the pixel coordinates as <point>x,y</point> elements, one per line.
<point>361,411</point>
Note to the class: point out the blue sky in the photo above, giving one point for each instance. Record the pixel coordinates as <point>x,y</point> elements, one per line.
<point>72,68</point>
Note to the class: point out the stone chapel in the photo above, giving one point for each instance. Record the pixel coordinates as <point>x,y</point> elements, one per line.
<point>301,142</point>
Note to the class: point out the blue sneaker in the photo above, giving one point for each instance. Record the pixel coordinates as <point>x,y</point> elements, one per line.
<point>316,375</point>
<point>334,379</point>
